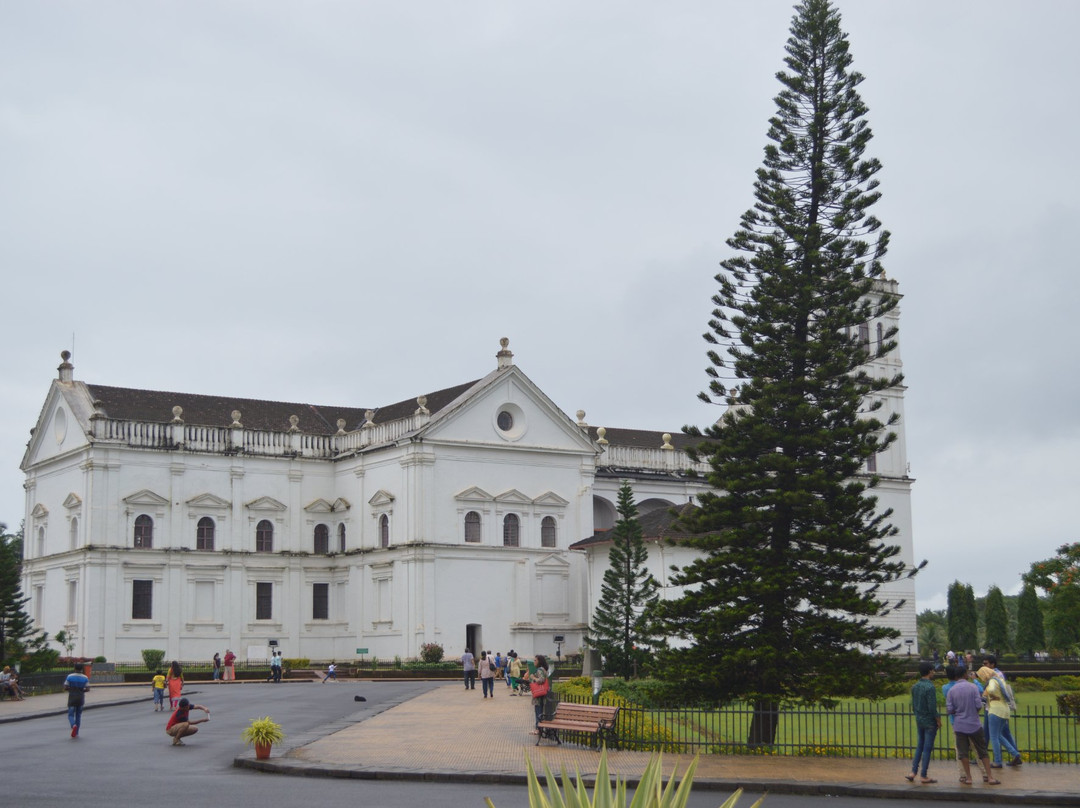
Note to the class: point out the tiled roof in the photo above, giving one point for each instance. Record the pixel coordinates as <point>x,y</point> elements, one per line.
<point>155,406</point>
<point>644,438</point>
<point>655,526</point>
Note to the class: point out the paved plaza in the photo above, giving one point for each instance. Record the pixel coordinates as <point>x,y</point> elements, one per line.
<point>450,734</point>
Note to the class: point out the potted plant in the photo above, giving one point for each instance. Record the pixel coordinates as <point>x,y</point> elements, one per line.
<point>263,732</point>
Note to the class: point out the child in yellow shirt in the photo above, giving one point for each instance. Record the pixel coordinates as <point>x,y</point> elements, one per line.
<point>159,691</point>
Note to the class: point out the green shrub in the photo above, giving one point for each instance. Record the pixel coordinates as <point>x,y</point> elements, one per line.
<point>636,731</point>
<point>649,693</point>
<point>1009,658</point>
<point>431,652</point>
<point>1069,704</point>
<point>100,659</point>
<point>295,663</point>
<point>152,658</point>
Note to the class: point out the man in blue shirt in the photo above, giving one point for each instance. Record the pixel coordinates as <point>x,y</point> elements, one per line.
<point>76,685</point>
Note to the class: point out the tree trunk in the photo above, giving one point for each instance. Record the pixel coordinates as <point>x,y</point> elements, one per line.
<point>763,724</point>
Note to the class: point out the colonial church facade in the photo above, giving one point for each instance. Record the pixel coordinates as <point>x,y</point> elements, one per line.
<point>470,516</point>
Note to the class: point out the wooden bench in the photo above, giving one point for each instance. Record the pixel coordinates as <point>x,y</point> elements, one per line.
<point>593,719</point>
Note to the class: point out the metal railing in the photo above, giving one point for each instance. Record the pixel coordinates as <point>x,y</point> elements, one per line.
<point>867,731</point>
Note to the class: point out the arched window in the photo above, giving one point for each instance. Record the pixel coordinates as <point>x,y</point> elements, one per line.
<point>511,530</point>
<point>264,537</point>
<point>547,532</point>
<point>41,541</point>
<point>322,540</point>
<point>384,531</point>
<point>341,537</point>
<point>144,531</point>
<point>204,534</point>
<point>74,532</point>
<point>472,526</point>
<point>880,335</point>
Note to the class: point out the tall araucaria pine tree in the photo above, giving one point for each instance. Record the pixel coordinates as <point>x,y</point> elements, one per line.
<point>784,604</point>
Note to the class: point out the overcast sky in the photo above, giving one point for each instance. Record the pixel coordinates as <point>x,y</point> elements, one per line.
<point>351,202</point>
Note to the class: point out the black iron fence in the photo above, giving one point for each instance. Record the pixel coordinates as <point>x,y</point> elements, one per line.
<point>866,730</point>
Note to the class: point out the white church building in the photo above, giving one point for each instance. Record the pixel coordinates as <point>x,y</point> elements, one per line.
<point>471,516</point>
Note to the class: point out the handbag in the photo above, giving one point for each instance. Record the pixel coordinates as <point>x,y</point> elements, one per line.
<point>539,689</point>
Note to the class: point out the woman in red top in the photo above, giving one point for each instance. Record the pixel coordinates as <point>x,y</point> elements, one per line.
<point>180,724</point>
<point>230,670</point>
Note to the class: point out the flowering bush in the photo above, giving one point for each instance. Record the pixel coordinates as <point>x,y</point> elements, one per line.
<point>431,652</point>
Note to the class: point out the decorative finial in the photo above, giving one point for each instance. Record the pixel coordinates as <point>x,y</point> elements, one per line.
<point>66,368</point>
<point>293,421</point>
<point>667,442</point>
<point>236,419</point>
<point>581,418</point>
<point>340,426</point>
<point>504,356</point>
<point>178,414</point>
<point>600,432</point>
<point>368,422</point>
<point>421,408</point>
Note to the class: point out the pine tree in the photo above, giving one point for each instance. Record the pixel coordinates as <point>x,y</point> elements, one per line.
<point>1029,622</point>
<point>784,602</point>
<point>997,621</point>
<point>962,618</point>
<point>622,630</point>
<point>16,628</point>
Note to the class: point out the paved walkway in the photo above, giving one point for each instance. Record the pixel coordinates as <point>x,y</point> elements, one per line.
<point>450,734</point>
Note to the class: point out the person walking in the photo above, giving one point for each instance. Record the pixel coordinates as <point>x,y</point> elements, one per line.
<point>158,687</point>
<point>998,708</point>
<point>927,722</point>
<point>515,673</point>
<point>540,686</point>
<point>181,724</point>
<point>963,704</point>
<point>76,684</point>
<point>217,667</point>
<point>175,683</point>
<point>468,666</point>
<point>230,665</point>
<point>487,675</point>
<point>331,673</point>
<point>275,666</point>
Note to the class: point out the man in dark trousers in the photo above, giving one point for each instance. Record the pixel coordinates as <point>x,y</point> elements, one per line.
<point>76,685</point>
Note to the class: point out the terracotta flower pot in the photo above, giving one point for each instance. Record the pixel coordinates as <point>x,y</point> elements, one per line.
<point>262,751</point>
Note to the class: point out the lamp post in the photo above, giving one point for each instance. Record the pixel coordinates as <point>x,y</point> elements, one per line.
<point>597,683</point>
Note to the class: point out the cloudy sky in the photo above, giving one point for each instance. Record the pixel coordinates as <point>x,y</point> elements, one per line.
<point>350,202</point>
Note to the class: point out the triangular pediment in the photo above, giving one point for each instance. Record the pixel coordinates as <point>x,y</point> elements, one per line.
<point>553,561</point>
<point>265,504</point>
<point>61,425</point>
<point>204,502</point>
<point>340,504</point>
<point>552,499</point>
<point>319,506</point>
<point>506,409</point>
<point>73,501</point>
<point>474,494</point>
<point>145,497</point>
<point>381,498</point>
<point>514,496</point>
<point>39,512</point>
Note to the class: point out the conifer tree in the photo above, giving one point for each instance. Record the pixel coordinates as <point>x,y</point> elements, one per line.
<point>962,618</point>
<point>16,628</point>
<point>1030,634</point>
<point>622,631</point>
<point>997,621</point>
<point>783,604</point>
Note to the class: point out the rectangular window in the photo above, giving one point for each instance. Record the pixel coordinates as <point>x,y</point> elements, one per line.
<point>320,601</point>
<point>142,600</point>
<point>264,600</point>
<point>73,600</point>
<point>871,463</point>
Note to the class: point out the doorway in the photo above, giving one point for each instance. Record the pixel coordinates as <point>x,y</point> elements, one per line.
<point>474,638</point>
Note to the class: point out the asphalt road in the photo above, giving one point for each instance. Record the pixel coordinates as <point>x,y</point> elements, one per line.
<point>123,757</point>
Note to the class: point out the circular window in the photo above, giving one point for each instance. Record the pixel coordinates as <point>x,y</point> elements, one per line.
<point>509,421</point>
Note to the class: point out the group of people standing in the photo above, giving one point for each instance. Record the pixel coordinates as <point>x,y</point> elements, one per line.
<point>512,670</point>
<point>967,694</point>
<point>225,667</point>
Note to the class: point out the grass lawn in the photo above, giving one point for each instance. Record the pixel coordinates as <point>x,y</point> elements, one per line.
<point>859,728</point>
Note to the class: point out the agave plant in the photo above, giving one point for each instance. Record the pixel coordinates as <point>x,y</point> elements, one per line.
<point>651,792</point>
